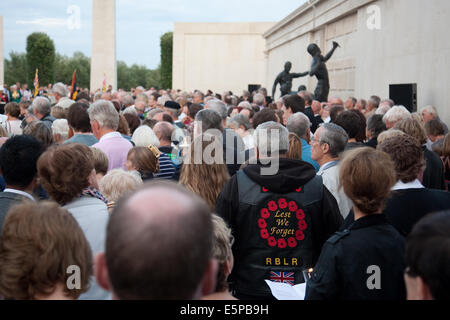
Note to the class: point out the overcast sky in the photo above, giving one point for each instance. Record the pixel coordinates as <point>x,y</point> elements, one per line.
<point>140,23</point>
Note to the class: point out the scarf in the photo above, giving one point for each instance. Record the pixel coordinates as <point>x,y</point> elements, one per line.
<point>93,193</point>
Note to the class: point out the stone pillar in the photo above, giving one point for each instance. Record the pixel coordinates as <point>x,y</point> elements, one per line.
<point>103,56</point>
<point>1,53</point>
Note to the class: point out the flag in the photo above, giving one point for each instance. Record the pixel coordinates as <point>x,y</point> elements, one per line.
<point>73,93</point>
<point>36,84</point>
<point>104,82</point>
<point>283,277</point>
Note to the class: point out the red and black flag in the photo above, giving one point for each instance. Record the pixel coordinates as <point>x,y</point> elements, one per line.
<point>73,93</point>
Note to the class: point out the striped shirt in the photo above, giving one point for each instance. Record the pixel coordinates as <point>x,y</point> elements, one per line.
<point>166,167</point>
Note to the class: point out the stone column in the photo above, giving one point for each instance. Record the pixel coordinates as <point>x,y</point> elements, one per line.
<point>103,56</point>
<point>1,53</point>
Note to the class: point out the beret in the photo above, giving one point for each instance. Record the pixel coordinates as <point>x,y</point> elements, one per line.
<point>172,105</point>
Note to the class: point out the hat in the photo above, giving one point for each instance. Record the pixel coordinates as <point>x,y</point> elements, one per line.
<point>172,105</point>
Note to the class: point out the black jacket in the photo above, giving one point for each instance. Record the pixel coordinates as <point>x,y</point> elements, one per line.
<point>280,224</point>
<point>316,121</point>
<point>352,260</point>
<point>405,208</point>
<point>433,176</point>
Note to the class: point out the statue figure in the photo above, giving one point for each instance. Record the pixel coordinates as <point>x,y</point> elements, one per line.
<point>285,80</point>
<point>319,69</point>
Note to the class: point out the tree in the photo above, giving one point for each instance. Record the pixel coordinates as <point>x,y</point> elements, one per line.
<point>16,68</point>
<point>166,60</point>
<point>40,55</point>
<point>65,66</point>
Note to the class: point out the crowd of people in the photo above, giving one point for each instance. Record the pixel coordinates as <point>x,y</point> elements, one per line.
<point>165,194</point>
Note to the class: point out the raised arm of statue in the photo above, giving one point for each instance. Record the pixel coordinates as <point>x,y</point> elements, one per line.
<point>330,54</point>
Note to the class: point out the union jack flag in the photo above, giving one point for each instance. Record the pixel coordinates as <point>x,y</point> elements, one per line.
<point>283,277</point>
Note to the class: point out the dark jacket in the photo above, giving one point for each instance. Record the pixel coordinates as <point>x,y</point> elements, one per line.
<point>406,207</point>
<point>8,199</point>
<point>352,260</point>
<point>280,224</point>
<point>48,120</point>
<point>233,151</point>
<point>316,121</point>
<point>433,176</point>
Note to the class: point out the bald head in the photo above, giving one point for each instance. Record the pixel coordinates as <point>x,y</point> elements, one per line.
<point>159,244</point>
<point>164,131</point>
<point>335,101</point>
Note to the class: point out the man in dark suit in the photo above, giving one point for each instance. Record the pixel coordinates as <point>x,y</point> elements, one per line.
<point>18,158</point>
<point>315,120</point>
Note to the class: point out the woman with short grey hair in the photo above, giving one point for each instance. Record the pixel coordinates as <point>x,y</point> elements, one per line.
<point>241,125</point>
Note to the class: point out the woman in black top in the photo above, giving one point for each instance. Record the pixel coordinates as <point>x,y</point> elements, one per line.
<point>365,261</point>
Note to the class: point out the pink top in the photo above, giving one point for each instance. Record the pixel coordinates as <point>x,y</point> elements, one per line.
<point>116,149</point>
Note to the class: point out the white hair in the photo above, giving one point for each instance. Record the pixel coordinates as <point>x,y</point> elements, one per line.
<point>270,138</point>
<point>117,183</point>
<point>259,99</point>
<point>219,106</point>
<point>431,110</point>
<point>61,127</point>
<point>245,104</point>
<point>397,114</point>
<point>163,99</point>
<point>130,110</point>
<point>127,99</point>
<point>383,109</point>
<point>299,124</point>
<point>144,136</point>
<point>105,114</point>
<point>60,89</point>
<point>41,105</point>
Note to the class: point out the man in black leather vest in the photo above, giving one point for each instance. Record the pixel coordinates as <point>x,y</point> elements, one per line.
<point>280,220</point>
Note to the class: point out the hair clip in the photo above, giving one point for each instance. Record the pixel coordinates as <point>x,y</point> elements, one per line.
<point>155,151</point>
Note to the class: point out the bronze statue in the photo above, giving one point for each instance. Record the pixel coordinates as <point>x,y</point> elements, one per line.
<point>319,69</point>
<point>285,80</point>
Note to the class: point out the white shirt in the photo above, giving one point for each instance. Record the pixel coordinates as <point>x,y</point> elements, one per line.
<point>22,193</point>
<point>330,176</point>
<point>410,185</point>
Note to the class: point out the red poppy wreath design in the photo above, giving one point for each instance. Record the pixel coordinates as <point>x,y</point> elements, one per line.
<point>282,224</point>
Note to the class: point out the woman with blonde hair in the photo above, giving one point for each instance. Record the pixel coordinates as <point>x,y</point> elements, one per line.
<point>223,240</point>
<point>116,184</point>
<point>295,147</point>
<point>204,172</point>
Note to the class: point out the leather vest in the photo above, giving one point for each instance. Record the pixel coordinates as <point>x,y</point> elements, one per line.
<point>274,235</point>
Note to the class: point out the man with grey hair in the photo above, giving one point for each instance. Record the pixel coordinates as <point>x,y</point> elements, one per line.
<point>329,143</point>
<point>372,105</point>
<point>430,113</point>
<point>105,122</point>
<point>41,109</point>
<point>61,94</point>
<point>259,99</point>
<point>280,221</point>
<point>299,124</point>
<point>127,100</point>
